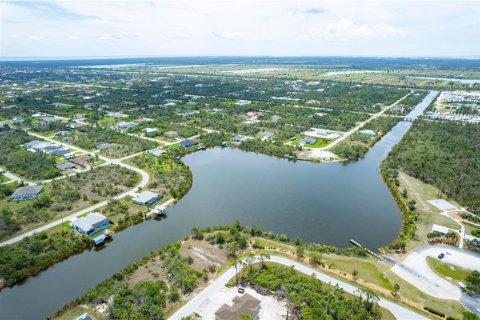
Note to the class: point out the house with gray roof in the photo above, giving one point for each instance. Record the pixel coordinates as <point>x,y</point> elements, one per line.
<point>157,152</point>
<point>36,144</point>
<point>245,305</point>
<point>26,193</point>
<point>105,146</point>
<point>65,166</point>
<point>267,134</point>
<point>92,223</point>
<point>75,125</point>
<point>307,140</point>
<point>123,126</point>
<point>239,138</point>
<point>146,198</point>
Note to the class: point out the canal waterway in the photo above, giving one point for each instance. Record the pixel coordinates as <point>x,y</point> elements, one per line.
<point>326,203</point>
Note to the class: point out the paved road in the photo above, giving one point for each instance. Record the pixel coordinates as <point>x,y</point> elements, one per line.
<point>414,269</point>
<point>398,311</point>
<point>376,115</point>
<point>73,216</point>
<point>14,178</point>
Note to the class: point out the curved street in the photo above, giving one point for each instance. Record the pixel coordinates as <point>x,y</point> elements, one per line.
<point>73,216</point>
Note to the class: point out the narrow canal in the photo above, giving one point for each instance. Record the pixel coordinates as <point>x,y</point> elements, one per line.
<point>326,203</point>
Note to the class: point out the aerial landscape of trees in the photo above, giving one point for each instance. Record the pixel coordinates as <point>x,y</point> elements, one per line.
<point>444,154</point>
<point>29,165</point>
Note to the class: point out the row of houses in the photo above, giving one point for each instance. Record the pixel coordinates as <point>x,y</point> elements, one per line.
<point>49,148</point>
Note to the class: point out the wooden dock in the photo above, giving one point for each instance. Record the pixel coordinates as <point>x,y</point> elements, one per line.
<point>369,251</point>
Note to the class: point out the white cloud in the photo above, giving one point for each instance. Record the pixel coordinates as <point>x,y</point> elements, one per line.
<point>347,29</point>
<point>289,27</point>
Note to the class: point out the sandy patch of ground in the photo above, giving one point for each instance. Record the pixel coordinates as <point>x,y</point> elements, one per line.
<point>203,254</point>
<point>270,308</point>
<point>149,272</point>
<point>320,154</point>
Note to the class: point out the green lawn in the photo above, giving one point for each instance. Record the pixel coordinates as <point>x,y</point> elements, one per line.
<point>366,270</point>
<point>106,122</point>
<point>446,270</point>
<point>320,143</point>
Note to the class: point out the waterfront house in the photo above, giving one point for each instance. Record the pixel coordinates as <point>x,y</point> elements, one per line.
<point>307,140</point>
<point>237,139</point>
<point>370,133</point>
<point>146,198</point>
<point>188,143</point>
<point>267,134</point>
<point>26,193</point>
<point>92,223</point>
<point>157,152</point>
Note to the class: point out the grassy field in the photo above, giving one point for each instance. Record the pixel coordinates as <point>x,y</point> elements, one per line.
<point>446,270</point>
<point>79,311</point>
<point>428,214</point>
<point>367,270</point>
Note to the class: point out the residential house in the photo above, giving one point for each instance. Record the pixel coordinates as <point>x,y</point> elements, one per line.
<point>267,135</point>
<point>188,143</point>
<point>37,145</point>
<point>26,193</point>
<point>17,120</point>
<point>171,134</point>
<point>238,138</point>
<point>75,125</point>
<point>124,126</point>
<point>157,152</point>
<point>65,166</point>
<point>245,305</point>
<point>105,146</point>
<point>369,133</point>
<point>307,140</point>
<point>92,223</point>
<point>146,198</point>
<point>149,130</point>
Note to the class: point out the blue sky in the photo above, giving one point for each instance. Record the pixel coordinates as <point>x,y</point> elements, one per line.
<point>243,27</point>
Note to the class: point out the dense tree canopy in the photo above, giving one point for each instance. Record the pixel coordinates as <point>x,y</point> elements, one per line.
<point>445,154</point>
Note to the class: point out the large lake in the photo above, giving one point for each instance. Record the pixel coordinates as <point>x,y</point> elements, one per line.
<point>327,203</point>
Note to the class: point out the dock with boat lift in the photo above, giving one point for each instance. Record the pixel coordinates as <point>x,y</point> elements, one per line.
<point>160,210</point>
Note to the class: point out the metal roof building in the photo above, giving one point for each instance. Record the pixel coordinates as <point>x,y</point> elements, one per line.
<point>146,198</point>
<point>90,224</point>
<point>26,193</point>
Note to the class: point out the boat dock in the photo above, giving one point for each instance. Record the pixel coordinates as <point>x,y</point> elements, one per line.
<point>160,210</point>
<point>369,251</point>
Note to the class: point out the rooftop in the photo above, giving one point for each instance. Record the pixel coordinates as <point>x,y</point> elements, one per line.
<point>242,305</point>
<point>145,196</point>
<point>86,223</point>
<point>26,191</point>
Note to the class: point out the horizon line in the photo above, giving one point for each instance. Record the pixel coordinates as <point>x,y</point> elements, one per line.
<point>53,58</point>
